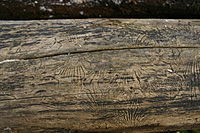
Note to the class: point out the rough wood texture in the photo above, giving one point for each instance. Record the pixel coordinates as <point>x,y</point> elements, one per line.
<point>45,9</point>
<point>109,75</point>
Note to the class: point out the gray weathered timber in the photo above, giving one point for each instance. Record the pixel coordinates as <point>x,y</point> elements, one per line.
<point>34,39</point>
<point>103,75</point>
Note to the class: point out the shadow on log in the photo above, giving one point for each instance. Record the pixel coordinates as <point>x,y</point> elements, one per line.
<point>51,9</point>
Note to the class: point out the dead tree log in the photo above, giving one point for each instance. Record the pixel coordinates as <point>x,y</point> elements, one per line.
<point>101,75</point>
<point>45,9</point>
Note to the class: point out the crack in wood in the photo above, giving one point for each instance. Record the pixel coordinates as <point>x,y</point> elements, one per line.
<point>97,50</point>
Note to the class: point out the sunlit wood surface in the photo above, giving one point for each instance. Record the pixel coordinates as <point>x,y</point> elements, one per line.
<point>104,75</point>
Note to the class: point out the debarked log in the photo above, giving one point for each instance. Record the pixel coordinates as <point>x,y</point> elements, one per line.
<point>99,75</point>
<point>49,9</point>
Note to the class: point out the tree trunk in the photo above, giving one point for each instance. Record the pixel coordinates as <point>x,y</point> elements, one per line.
<point>47,9</point>
<point>99,75</point>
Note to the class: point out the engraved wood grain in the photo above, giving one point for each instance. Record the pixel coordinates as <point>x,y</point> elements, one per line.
<point>113,76</point>
<point>36,39</point>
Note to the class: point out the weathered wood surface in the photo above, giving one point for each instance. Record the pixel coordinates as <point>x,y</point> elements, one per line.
<point>109,75</point>
<point>45,9</point>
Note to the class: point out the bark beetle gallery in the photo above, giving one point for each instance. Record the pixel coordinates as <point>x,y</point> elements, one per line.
<point>116,75</point>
